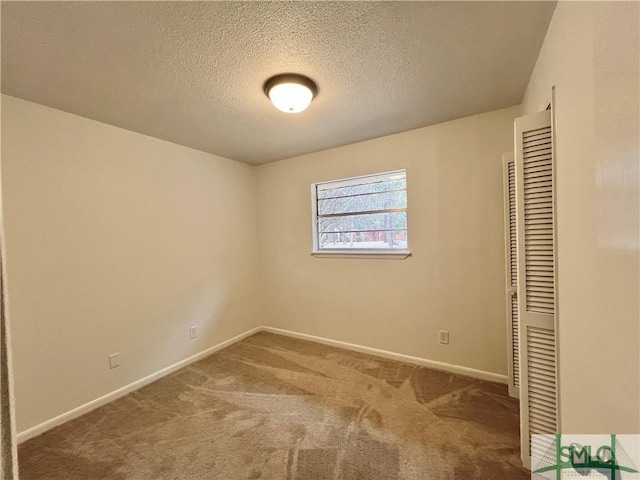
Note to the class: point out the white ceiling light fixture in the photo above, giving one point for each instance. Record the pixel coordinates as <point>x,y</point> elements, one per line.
<point>290,92</point>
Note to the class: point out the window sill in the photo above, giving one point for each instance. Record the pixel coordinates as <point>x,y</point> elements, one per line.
<point>396,255</point>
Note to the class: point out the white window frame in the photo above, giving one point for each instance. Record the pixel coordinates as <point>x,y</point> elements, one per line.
<point>398,254</point>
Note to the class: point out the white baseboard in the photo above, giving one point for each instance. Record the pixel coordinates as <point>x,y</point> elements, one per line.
<point>423,362</point>
<point>121,392</point>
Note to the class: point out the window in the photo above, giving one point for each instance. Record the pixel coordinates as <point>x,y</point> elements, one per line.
<point>361,215</point>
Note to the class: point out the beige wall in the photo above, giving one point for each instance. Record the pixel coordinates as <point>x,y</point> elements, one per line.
<point>116,242</point>
<point>591,55</point>
<point>453,281</point>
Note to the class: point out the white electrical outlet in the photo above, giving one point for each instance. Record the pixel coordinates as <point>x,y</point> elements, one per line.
<point>444,337</point>
<point>193,332</point>
<point>114,360</point>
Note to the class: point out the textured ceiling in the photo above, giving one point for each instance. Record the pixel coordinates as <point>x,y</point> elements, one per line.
<point>192,72</point>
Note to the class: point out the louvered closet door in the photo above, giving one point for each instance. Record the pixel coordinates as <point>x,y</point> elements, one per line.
<point>536,279</point>
<point>511,272</point>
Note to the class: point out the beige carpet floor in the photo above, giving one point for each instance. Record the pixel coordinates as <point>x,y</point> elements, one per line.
<point>272,407</point>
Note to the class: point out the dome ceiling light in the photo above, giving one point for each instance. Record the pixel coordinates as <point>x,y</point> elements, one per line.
<point>290,92</point>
